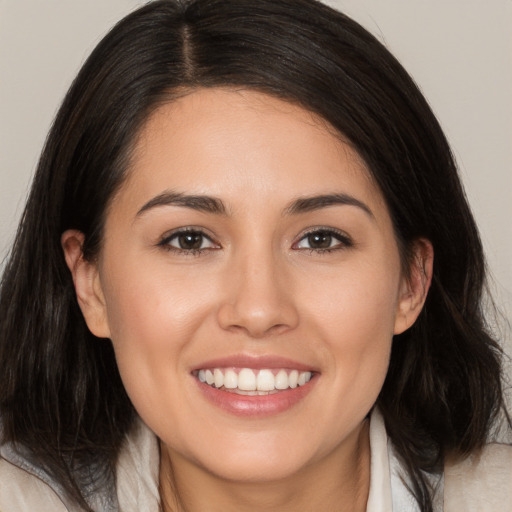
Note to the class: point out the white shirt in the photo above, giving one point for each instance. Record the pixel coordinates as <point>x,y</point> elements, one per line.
<point>482,483</point>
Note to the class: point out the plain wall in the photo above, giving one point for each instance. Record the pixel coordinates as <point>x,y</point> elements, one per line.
<point>458,51</point>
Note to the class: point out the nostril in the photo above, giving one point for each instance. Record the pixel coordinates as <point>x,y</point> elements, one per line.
<point>256,322</point>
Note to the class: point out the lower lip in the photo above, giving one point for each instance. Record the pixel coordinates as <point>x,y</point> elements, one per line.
<point>258,405</point>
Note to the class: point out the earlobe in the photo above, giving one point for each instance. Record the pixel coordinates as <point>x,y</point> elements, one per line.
<point>415,286</point>
<point>87,283</point>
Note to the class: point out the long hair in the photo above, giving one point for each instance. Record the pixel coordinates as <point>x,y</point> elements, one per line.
<point>60,391</point>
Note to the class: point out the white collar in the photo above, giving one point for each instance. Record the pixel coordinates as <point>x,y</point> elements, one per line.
<point>379,497</point>
<point>389,481</point>
<point>137,471</point>
<point>137,477</point>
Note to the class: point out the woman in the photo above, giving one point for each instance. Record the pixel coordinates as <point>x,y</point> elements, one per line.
<point>234,281</point>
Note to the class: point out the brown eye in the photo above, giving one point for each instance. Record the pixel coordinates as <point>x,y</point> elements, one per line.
<point>319,240</point>
<point>324,240</point>
<point>190,241</point>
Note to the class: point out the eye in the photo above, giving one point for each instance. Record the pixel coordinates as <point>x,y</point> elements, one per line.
<point>324,240</point>
<point>188,241</point>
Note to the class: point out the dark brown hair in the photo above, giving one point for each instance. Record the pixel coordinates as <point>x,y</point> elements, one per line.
<point>60,391</point>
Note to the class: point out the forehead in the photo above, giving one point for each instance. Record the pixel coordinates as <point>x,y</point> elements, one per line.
<point>242,143</point>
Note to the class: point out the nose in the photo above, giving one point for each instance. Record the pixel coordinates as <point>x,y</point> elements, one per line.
<point>259,299</point>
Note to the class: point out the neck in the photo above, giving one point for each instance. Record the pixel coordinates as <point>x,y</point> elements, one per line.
<point>341,477</point>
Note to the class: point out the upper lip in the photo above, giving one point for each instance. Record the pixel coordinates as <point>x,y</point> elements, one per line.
<point>256,362</point>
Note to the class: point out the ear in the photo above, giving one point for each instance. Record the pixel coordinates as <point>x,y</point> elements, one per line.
<point>415,285</point>
<point>87,283</point>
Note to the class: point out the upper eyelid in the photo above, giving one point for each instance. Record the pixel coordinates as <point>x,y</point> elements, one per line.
<point>325,229</point>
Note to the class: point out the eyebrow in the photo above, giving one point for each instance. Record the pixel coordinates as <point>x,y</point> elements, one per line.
<point>309,204</point>
<point>209,204</point>
<point>200,203</point>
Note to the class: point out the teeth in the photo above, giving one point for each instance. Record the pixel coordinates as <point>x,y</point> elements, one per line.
<point>253,382</point>
<point>230,380</point>
<point>281,380</point>
<point>218,378</point>
<point>247,380</point>
<point>294,377</point>
<point>265,380</point>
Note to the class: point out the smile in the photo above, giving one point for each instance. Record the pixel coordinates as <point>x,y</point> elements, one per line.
<point>248,381</point>
<point>255,386</point>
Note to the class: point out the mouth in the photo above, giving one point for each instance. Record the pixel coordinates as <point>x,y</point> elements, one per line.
<point>253,382</point>
<point>255,387</point>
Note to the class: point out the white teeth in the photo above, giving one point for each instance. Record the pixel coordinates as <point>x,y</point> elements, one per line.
<point>218,377</point>
<point>304,378</point>
<point>253,382</point>
<point>247,380</point>
<point>230,380</point>
<point>265,380</point>
<point>293,378</point>
<point>282,380</point>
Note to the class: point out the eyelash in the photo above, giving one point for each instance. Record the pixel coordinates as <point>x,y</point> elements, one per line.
<point>344,241</point>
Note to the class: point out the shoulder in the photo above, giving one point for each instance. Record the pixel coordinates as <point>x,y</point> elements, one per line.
<point>482,481</point>
<point>138,469</point>
<point>22,491</point>
<point>26,487</point>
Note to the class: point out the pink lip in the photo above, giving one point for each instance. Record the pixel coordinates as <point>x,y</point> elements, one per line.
<point>255,362</point>
<point>257,406</point>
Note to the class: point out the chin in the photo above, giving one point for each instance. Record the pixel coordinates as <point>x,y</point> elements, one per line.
<point>259,469</point>
<point>264,457</point>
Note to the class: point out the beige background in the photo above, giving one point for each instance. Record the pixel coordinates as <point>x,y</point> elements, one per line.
<point>459,51</point>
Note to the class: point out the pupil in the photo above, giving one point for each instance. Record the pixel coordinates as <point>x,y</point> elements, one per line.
<point>190,240</point>
<point>320,240</point>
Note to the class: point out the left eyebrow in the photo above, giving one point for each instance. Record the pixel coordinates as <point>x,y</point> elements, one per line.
<point>201,203</point>
<point>309,204</point>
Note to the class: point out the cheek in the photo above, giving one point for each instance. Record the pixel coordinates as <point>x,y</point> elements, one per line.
<point>154,317</point>
<point>154,304</point>
<point>355,304</point>
<point>354,314</point>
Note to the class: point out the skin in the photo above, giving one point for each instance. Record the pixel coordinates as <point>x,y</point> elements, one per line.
<point>257,287</point>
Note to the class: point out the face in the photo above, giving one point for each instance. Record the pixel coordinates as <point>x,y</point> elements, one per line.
<point>250,249</point>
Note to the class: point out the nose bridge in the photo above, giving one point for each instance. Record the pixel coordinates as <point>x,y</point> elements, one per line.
<point>259,284</point>
<point>259,299</point>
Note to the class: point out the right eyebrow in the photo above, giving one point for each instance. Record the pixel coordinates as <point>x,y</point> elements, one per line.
<point>207,204</point>
<point>312,203</point>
